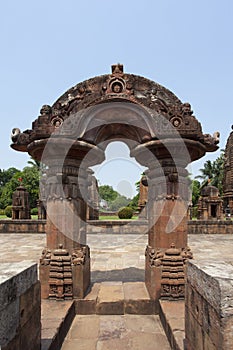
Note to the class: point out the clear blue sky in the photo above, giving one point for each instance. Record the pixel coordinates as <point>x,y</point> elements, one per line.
<point>49,46</point>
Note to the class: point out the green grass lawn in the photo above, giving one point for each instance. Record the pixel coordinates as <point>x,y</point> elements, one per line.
<point>115,217</point>
<point>4,217</point>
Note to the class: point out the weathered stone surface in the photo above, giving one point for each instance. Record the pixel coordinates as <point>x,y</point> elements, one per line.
<point>88,304</point>
<point>110,299</point>
<point>117,227</point>
<point>137,299</point>
<point>30,303</point>
<point>210,227</point>
<point>83,327</point>
<point>19,306</point>
<point>116,332</point>
<point>22,226</point>
<point>209,305</point>
<point>56,319</point>
<point>9,322</point>
<point>172,318</point>
<point>15,279</point>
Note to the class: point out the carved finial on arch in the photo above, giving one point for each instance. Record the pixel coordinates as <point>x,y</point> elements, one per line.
<point>117,68</point>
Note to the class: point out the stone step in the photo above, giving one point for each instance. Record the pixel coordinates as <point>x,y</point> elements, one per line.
<point>173,321</point>
<point>116,298</point>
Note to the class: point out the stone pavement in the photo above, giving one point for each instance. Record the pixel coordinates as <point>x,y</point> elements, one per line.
<point>121,332</point>
<point>114,258</point>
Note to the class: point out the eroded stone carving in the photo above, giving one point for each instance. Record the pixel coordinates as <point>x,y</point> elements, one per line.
<point>155,256</point>
<point>173,276</point>
<point>60,274</point>
<point>46,256</point>
<point>127,87</point>
<point>79,255</point>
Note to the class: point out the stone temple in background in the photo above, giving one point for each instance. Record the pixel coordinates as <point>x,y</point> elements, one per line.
<point>228,174</point>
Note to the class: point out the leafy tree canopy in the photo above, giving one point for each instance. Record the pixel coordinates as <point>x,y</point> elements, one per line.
<point>9,181</point>
<point>107,193</point>
<point>134,202</point>
<point>213,172</point>
<point>119,202</point>
<point>196,190</point>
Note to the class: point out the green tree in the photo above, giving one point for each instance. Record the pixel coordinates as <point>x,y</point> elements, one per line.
<point>30,180</point>
<point>207,173</point>
<point>119,202</point>
<point>213,172</point>
<point>195,192</point>
<point>218,165</point>
<point>107,193</point>
<point>6,175</point>
<point>134,202</point>
<point>8,189</point>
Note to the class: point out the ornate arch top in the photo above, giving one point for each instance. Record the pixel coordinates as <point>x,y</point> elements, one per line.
<point>116,86</point>
<point>154,99</point>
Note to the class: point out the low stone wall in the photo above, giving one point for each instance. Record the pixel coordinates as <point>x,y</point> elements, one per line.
<point>210,227</point>
<point>209,306</point>
<point>117,227</point>
<point>20,307</point>
<point>93,226</point>
<point>22,226</point>
<point>108,213</point>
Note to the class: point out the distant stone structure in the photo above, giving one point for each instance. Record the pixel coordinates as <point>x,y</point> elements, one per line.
<point>93,197</point>
<point>41,202</point>
<point>143,197</point>
<point>228,175</point>
<point>20,203</point>
<point>210,204</point>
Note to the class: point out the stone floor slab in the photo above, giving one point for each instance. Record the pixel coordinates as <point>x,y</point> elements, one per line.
<point>117,332</point>
<point>110,299</point>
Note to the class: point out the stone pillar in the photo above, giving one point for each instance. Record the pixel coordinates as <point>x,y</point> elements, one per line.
<point>167,251</point>
<point>143,197</point>
<point>93,197</point>
<point>65,263</point>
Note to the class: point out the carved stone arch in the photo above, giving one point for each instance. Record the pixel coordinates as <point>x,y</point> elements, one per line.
<point>162,133</point>
<point>128,120</point>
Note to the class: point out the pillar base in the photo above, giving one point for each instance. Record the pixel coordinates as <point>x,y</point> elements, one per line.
<point>165,272</point>
<point>64,276</point>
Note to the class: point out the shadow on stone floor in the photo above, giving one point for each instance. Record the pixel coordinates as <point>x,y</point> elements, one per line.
<point>130,274</point>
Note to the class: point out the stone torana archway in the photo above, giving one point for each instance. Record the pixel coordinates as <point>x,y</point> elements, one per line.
<point>69,137</point>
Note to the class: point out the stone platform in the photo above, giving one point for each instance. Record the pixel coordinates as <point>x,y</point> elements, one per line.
<point>115,260</point>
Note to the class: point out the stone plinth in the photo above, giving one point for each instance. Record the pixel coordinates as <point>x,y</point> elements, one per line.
<point>22,226</point>
<point>20,307</point>
<point>209,306</point>
<point>210,227</point>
